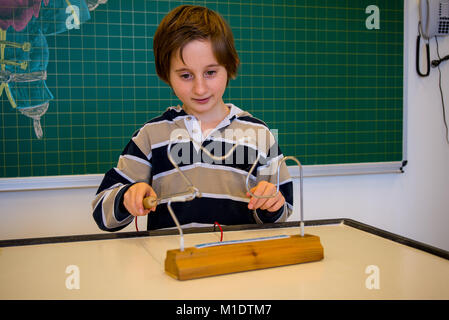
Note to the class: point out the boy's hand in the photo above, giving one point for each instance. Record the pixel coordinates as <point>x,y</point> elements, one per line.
<point>133,198</point>
<point>265,188</point>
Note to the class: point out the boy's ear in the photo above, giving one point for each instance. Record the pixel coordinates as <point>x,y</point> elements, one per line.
<point>168,82</point>
<point>229,78</point>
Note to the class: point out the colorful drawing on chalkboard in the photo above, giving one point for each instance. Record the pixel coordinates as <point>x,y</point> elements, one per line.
<point>24,54</point>
<point>93,4</point>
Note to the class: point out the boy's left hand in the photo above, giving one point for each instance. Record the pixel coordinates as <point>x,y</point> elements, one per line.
<point>265,188</point>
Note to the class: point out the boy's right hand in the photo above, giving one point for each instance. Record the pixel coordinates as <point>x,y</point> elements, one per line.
<point>133,198</point>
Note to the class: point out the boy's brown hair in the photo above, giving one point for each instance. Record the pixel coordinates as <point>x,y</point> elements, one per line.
<point>186,23</point>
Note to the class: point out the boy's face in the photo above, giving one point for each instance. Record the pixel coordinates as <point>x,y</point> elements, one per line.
<point>199,82</point>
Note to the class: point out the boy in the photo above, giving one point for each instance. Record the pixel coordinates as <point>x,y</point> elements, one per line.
<point>195,54</point>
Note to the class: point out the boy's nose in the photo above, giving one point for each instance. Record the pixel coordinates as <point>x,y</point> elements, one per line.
<point>199,87</point>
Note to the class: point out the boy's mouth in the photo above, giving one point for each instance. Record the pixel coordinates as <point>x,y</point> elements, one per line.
<point>202,101</point>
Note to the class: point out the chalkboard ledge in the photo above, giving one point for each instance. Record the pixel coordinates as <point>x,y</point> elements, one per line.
<point>51,182</point>
<point>348,169</point>
<point>94,180</point>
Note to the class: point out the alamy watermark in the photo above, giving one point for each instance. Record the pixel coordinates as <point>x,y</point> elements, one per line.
<point>73,280</point>
<point>249,145</point>
<point>373,280</point>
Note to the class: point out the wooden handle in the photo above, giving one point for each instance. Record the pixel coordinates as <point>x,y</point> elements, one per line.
<point>149,202</point>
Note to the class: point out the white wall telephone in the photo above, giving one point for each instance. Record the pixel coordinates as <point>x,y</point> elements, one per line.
<point>434,18</point>
<point>433,21</point>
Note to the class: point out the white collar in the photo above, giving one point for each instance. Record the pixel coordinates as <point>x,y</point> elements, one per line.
<point>194,127</point>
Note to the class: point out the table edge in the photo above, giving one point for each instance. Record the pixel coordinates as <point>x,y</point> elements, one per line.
<point>290,224</point>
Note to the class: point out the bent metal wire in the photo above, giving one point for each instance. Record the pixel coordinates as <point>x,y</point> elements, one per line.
<point>193,192</point>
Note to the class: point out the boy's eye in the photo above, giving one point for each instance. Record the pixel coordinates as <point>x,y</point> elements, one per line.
<point>210,73</point>
<point>186,76</point>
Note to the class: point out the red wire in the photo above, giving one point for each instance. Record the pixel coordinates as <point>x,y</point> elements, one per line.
<point>221,230</point>
<point>215,224</point>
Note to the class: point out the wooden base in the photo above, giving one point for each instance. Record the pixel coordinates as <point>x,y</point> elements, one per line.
<point>195,262</point>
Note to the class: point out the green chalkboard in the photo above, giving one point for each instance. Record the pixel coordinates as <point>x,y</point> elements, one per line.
<point>328,75</point>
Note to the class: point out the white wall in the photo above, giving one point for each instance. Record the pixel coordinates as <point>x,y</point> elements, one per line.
<point>414,204</point>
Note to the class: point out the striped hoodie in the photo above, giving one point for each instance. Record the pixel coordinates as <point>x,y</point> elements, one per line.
<point>222,183</point>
